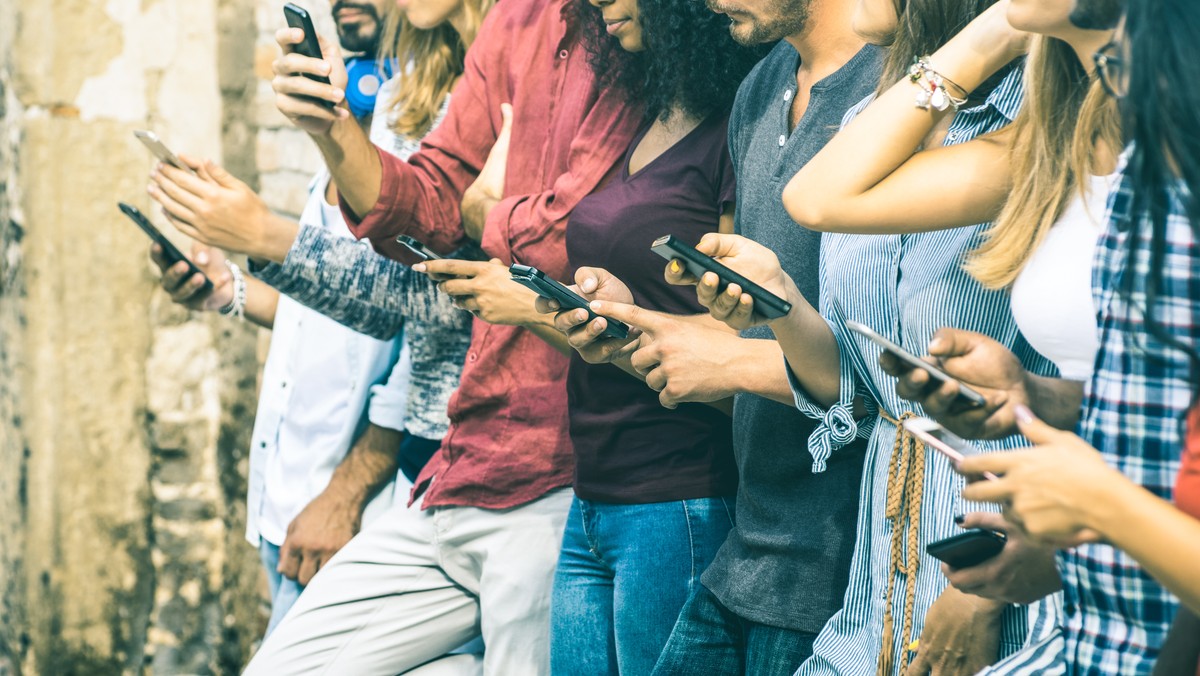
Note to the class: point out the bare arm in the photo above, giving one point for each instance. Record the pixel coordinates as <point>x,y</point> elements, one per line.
<point>867,179</point>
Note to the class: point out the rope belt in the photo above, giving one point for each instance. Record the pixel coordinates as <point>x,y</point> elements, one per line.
<point>906,481</point>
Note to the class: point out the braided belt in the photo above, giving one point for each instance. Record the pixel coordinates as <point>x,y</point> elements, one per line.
<point>906,482</point>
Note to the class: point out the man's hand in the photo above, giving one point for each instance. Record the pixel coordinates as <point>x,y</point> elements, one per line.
<point>317,533</point>
<point>746,257</point>
<point>217,209</point>
<point>683,361</point>
<point>961,636</point>
<point>310,105</point>
<point>977,361</point>
<point>1022,572</point>
<point>188,291</point>
<point>486,290</point>
<point>587,337</point>
<point>1057,492</point>
<point>488,188</point>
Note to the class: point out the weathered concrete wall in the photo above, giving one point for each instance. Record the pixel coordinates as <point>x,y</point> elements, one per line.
<point>123,419</point>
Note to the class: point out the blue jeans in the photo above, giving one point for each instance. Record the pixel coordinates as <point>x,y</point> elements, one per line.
<point>284,591</point>
<point>711,639</point>
<point>623,575</point>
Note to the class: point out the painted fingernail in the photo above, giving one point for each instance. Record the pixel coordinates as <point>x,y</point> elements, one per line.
<point>959,518</point>
<point>1023,414</point>
<point>676,268</point>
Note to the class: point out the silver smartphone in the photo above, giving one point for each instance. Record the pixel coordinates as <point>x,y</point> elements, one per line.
<point>970,398</point>
<point>160,150</point>
<point>943,441</point>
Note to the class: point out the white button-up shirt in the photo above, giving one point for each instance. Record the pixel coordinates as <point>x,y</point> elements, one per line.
<point>321,384</point>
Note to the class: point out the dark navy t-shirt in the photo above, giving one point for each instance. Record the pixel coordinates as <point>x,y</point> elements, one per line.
<point>628,448</point>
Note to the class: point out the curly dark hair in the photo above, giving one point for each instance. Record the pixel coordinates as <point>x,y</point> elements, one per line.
<point>690,62</point>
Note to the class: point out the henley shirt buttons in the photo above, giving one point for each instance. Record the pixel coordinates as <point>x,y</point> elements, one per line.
<point>787,95</point>
<point>782,140</point>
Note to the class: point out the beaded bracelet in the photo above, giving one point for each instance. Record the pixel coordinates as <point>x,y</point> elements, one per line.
<point>933,87</point>
<point>237,306</point>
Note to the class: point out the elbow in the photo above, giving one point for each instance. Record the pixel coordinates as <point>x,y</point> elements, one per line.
<point>808,212</point>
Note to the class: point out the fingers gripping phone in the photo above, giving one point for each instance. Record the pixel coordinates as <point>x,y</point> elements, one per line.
<point>160,150</point>
<point>172,254</point>
<point>547,287</point>
<point>968,397</point>
<point>766,303</point>
<point>469,252</point>
<point>943,441</point>
<point>297,17</point>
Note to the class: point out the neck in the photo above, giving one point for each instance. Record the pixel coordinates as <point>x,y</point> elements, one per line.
<point>461,25</point>
<point>827,41</point>
<point>1087,43</point>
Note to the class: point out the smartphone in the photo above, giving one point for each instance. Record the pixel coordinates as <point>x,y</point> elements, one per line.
<point>967,549</point>
<point>766,303</point>
<point>296,17</point>
<point>170,252</point>
<point>547,287</point>
<point>943,441</point>
<point>160,150</point>
<point>969,398</point>
<point>418,248</point>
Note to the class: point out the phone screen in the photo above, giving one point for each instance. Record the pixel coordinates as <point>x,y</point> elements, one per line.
<point>970,397</point>
<point>943,440</point>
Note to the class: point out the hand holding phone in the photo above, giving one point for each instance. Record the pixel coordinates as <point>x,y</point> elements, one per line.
<point>968,398</point>
<point>766,303</point>
<point>547,287</point>
<point>969,548</point>
<point>170,252</point>
<point>297,17</point>
<point>943,441</point>
<point>160,150</point>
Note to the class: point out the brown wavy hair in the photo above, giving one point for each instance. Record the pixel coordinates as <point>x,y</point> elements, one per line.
<point>430,63</point>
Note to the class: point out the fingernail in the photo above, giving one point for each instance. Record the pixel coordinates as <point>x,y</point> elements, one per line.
<point>959,518</point>
<point>935,343</point>
<point>676,267</point>
<point>596,305</point>
<point>338,94</point>
<point>419,267</point>
<point>202,258</point>
<point>1023,414</point>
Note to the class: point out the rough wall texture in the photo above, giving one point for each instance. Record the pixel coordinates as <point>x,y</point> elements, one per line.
<point>123,419</point>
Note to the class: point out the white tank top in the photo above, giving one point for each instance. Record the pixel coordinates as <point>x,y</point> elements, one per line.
<point>1052,297</point>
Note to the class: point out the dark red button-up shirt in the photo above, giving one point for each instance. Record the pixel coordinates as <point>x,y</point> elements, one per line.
<point>508,442</point>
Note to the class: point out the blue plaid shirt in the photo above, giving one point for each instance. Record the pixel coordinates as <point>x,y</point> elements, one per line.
<point>1117,617</point>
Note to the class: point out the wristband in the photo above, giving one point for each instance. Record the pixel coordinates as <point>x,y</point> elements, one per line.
<point>934,92</point>
<point>237,306</point>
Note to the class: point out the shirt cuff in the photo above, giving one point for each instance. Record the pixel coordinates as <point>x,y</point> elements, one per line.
<point>495,241</point>
<point>380,222</point>
<point>837,426</point>
<point>389,400</point>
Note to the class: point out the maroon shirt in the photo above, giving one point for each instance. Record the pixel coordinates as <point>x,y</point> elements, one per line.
<point>508,441</point>
<point>628,448</point>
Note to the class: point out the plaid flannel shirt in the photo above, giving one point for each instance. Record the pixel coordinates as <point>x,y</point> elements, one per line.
<point>1117,616</point>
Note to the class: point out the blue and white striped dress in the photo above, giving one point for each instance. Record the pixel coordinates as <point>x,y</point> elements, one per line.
<point>906,287</point>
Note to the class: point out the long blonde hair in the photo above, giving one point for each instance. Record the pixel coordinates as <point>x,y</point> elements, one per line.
<point>430,62</point>
<point>1066,113</point>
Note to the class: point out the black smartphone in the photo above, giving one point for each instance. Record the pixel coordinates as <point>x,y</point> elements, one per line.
<point>418,248</point>
<point>969,548</point>
<point>969,398</point>
<point>547,287</point>
<point>766,303</point>
<point>170,252</point>
<point>296,17</point>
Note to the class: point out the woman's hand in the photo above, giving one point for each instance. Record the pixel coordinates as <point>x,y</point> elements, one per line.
<point>486,290</point>
<point>217,209</point>
<point>587,337</point>
<point>746,257</point>
<point>187,290</point>
<point>310,105</point>
<point>1056,492</point>
<point>488,188</point>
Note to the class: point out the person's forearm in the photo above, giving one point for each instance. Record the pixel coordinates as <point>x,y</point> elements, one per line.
<point>552,336</point>
<point>1055,400</point>
<point>475,209</point>
<point>371,463</point>
<point>261,303</point>
<point>1163,539</point>
<point>354,163</point>
<point>811,350</point>
<point>761,370</point>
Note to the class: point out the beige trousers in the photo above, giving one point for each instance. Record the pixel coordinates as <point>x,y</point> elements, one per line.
<point>416,584</point>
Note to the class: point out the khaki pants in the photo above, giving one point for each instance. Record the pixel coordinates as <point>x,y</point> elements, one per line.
<point>416,584</point>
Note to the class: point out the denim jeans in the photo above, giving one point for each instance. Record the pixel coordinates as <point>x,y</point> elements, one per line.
<point>711,639</point>
<point>284,591</point>
<point>623,575</point>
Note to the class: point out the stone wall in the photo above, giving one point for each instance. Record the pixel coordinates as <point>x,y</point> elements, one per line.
<point>124,419</point>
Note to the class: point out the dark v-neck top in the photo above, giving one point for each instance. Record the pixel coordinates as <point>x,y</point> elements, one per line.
<point>628,448</point>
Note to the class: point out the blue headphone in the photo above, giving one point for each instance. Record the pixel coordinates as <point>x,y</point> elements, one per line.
<point>367,75</point>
